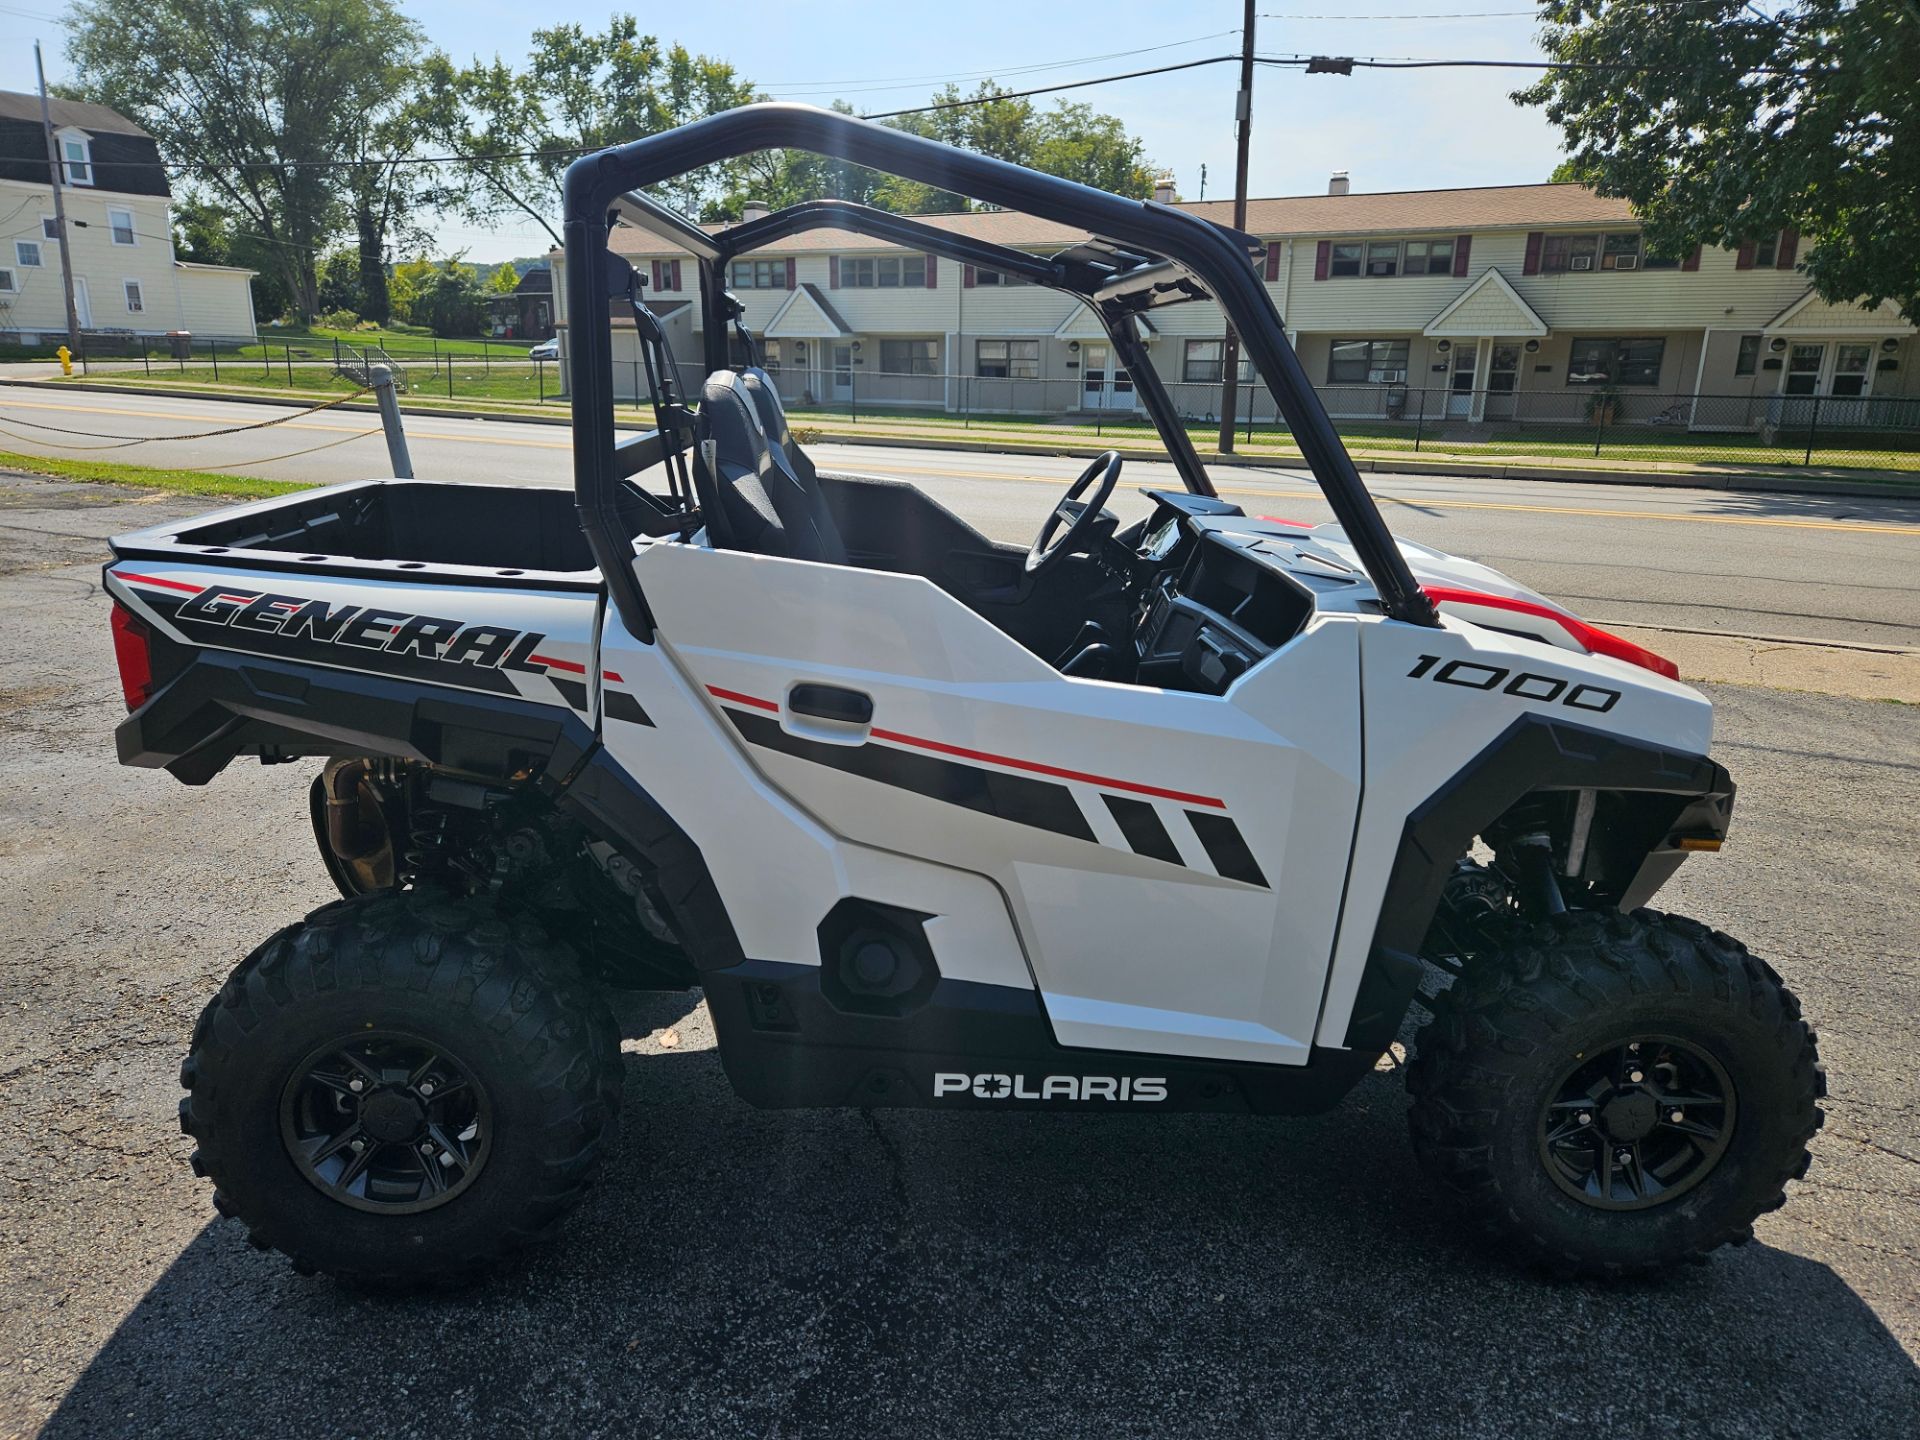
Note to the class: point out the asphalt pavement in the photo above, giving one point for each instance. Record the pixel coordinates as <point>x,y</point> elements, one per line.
<point>774,1274</point>
<point>1766,564</point>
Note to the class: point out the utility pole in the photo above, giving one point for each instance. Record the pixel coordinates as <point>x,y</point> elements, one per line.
<point>59,207</point>
<point>1243,140</point>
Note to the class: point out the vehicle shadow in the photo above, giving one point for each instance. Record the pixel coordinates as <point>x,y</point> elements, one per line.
<point>907,1273</point>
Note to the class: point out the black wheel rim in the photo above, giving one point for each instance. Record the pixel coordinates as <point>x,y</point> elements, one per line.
<point>386,1122</point>
<point>1637,1124</point>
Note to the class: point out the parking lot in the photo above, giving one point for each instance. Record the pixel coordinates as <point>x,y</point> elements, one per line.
<point>895,1274</point>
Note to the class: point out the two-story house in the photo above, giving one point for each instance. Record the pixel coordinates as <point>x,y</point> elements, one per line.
<point>1522,303</point>
<point>126,277</point>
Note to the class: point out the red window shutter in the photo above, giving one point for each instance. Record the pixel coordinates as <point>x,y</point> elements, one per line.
<point>1322,259</point>
<point>1692,262</point>
<point>1535,239</point>
<point>1744,260</point>
<point>966,278</point>
<point>1789,246</point>
<point>933,272</point>
<point>791,267</point>
<point>654,271</point>
<point>833,272</point>
<point>1273,260</point>
<point>1462,248</point>
<point>673,279</point>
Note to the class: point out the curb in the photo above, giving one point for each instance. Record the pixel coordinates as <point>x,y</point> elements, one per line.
<point>1765,482</point>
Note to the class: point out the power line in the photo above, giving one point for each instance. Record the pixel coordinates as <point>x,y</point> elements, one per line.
<point>1048,89</point>
<point>822,87</point>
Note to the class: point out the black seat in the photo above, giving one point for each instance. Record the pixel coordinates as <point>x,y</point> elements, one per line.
<point>758,492</point>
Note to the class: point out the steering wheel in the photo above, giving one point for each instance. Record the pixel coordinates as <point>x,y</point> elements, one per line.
<point>1079,517</point>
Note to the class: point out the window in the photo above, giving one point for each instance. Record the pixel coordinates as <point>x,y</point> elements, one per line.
<point>78,153</point>
<point>1007,359</point>
<point>1383,258</point>
<point>885,272</point>
<point>1748,360</point>
<point>7,286</point>
<point>26,254</point>
<point>1616,362</point>
<point>136,302</point>
<point>1346,259</point>
<point>121,223</point>
<point>997,277</point>
<point>1620,251</point>
<point>910,357</point>
<point>1203,364</point>
<point>1367,362</point>
<point>49,228</point>
<point>1650,261</point>
<point>1429,257</point>
<point>1562,253</point>
<point>1766,252</point>
<point>770,356</point>
<point>1803,369</point>
<point>759,275</point>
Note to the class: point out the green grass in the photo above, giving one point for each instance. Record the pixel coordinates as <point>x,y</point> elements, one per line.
<point>403,342</point>
<point>148,477</point>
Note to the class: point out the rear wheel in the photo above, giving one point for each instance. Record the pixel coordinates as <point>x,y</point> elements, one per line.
<point>1612,1094</point>
<point>402,1088</point>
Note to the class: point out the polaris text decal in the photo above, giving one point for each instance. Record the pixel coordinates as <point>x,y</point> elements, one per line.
<point>1142,1089</point>
<point>428,637</point>
<point>1472,675</point>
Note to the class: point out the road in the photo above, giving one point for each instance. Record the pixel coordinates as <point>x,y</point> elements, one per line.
<point>1771,565</point>
<point>821,1273</point>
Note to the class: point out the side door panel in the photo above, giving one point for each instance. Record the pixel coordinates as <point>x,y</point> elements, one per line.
<point>1173,861</point>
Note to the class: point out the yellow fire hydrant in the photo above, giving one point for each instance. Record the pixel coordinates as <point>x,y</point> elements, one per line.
<point>66,360</point>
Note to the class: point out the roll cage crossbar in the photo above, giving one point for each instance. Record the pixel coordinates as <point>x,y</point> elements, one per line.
<point>1145,254</point>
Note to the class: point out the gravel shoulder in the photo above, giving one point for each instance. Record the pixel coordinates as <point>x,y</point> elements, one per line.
<point>783,1274</point>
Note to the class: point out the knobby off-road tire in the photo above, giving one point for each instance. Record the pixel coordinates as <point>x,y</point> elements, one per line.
<point>1507,1035</point>
<point>516,1035</point>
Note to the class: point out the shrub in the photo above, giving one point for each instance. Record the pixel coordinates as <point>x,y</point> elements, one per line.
<point>337,320</point>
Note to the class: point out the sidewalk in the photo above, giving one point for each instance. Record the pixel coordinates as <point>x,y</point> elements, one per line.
<point>1015,438</point>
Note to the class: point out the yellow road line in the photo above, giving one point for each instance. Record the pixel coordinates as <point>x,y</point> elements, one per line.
<point>1765,522</point>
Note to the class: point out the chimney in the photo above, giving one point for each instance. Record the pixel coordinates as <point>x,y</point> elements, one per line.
<point>1163,190</point>
<point>1339,184</point>
<point>753,210</point>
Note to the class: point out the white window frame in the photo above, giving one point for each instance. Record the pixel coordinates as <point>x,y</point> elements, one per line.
<point>871,272</point>
<point>915,357</point>
<point>758,274</point>
<point>113,227</point>
<point>134,294</point>
<point>68,165</point>
<point>1380,357</point>
<point>7,285</point>
<point>20,251</point>
<point>1021,363</point>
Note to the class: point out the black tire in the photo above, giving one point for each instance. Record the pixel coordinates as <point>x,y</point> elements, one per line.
<point>1518,1023</point>
<point>496,994</point>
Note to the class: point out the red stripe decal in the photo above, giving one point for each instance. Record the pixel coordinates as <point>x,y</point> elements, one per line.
<point>553,664</point>
<point>739,699</point>
<point>613,675</point>
<point>1032,766</point>
<point>1590,637</point>
<point>156,580</point>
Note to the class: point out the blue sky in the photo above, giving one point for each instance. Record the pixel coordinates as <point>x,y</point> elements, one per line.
<point>1394,130</point>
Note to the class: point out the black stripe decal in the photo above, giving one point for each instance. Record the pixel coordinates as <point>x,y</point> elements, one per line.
<point>1140,823</point>
<point>1038,803</point>
<point>1226,847</point>
<point>622,706</point>
<point>574,692</point>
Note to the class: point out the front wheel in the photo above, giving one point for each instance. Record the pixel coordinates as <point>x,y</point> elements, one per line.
<point>1613,1094</point>
<point>402,1088</point>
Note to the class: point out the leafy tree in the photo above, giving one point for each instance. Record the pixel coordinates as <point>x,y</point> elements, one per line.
<point>340,281</point>
<point>504,280</point>
<point>255,101</point>
<point>517,131</point>
<point>1723,123</point>
<point>204,231</point>
<point>1565,173</point>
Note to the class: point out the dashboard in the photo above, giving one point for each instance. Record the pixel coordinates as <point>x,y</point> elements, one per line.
<point>1217,592</point>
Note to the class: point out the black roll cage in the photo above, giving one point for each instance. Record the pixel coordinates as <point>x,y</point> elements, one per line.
<point>1146,254</point>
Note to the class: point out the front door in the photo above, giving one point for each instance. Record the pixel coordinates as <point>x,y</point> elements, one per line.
<point>1852,370</point>
<point>1466,368</point>
<point>841,380</point>
<point>1104,385</point>
<point>1805,364</point>
<point>82,303</point>
<point>1503,381</point>
<point>1173,861</point>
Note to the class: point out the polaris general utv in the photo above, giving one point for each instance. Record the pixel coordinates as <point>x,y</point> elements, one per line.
<point>1168,817</point>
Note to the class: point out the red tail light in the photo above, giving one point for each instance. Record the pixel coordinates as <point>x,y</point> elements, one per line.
<point>133,648</point>
<point>1591,637</point>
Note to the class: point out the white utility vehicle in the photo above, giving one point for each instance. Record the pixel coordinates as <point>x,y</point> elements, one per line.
<point>1168,817</point>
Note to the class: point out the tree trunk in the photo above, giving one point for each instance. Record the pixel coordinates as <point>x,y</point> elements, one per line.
<point>375,303</point>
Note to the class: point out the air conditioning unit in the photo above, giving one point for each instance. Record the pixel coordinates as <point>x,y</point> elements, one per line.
<point>1580,262</point>
<point>1626,262</point>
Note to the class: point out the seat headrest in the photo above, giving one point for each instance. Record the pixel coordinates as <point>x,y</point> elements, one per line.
<point>765,394</point>
<point>732,421</point>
